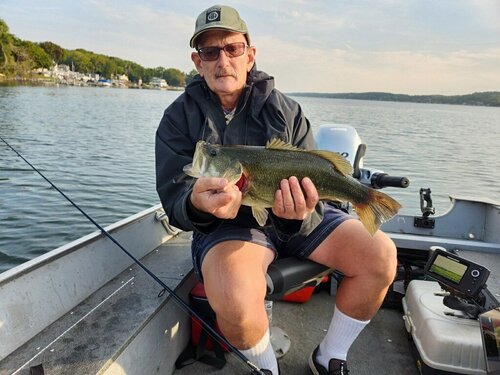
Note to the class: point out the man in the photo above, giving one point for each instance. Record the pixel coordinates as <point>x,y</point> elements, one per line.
<point>231,102</point>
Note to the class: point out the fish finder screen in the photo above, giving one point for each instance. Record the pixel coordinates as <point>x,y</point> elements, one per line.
<point>448,269</point>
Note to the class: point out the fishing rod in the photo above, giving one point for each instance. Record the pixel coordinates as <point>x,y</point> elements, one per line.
<point>187,309</point>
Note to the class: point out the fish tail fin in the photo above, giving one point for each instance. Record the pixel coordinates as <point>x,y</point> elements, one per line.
<point>378,209</point>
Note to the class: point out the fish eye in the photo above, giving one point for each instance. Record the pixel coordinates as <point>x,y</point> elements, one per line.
<point>213,152</point>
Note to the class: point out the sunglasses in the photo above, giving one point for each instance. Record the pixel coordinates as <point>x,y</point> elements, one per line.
<point>213,53</point>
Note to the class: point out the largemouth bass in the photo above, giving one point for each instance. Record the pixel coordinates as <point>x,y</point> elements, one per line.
<point>258,171</point>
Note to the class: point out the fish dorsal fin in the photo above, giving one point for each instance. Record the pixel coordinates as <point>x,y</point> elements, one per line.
<point>339,162</point>
<point>278,144</point>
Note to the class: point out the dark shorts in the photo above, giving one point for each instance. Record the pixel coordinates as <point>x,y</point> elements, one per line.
<point>298,246</point>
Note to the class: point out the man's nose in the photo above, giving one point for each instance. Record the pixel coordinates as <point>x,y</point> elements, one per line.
<point>223,57</point>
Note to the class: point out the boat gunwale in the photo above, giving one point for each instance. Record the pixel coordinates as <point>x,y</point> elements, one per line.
<point>70,247</point>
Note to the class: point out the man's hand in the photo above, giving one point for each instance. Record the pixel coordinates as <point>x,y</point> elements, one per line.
<point>217,197</point>
<point>293,202</point>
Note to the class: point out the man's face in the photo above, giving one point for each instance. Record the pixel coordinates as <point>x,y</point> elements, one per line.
<point>226,75</point>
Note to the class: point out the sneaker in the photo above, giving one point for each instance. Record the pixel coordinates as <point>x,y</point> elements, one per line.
<point>268,372</point>
<point>335,366</point>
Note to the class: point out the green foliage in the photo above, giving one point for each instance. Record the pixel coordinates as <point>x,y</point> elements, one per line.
<point>4,29</point>
<point>53,50</point>
<point>34,55</point>
<point>190,76</point>
<point>174,77</point>
<point>19,57</point>
<point>6,40</point>
<point>89,62</point>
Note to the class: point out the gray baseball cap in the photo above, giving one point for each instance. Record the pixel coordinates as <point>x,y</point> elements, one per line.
<point>219,17</point>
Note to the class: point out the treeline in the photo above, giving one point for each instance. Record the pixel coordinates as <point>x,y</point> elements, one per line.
<point>20,58</point>
<point>489,98</point>
<point>84,61</point>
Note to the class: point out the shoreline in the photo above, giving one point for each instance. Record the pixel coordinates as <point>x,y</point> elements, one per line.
<point>477,99</point>
<point>49,81</point>
<point>472,100</point>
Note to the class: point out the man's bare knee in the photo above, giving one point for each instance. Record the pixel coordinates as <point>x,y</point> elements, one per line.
<point>243,327</point>
<point>237,294</point>
<point>382,259</point>
<point>242,319</point>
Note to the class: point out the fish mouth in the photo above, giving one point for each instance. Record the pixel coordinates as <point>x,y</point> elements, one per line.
<point>187,169</point>
<point>198,166</point>
<point>195,169</point>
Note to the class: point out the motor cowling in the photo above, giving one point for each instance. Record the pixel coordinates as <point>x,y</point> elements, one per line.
<point>343,139</point>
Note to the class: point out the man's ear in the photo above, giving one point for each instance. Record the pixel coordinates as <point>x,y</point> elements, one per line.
<point>197,62</point>
<point>251,57</point>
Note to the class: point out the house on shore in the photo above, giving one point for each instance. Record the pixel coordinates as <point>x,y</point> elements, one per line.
<point>158,83</point>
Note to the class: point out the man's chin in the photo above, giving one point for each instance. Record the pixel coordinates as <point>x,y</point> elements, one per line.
<point>226,80</point>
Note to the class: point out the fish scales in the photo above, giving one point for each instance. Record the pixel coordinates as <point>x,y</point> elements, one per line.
<point>266,168</point>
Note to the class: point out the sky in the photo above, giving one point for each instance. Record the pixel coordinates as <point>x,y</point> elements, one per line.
<point>448,47</point>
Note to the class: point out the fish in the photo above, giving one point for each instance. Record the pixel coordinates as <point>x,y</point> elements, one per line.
<point>258,171</point>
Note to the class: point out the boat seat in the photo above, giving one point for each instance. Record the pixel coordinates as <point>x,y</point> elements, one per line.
<point>290,274</point>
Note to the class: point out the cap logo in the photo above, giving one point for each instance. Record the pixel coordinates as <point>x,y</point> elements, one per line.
<point>213,16</point>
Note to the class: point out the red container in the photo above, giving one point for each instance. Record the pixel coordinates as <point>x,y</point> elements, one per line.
<point>200,304</point>
<point>304,294</point>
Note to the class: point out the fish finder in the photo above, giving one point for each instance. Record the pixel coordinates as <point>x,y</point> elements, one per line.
<point>455,274</point>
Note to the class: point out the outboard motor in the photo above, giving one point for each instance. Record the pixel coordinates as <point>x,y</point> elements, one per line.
<point>343,139</point>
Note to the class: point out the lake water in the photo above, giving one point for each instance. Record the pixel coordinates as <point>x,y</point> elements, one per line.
<point>97,145</point>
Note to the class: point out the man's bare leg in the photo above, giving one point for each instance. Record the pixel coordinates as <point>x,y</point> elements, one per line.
<point>369,265</point>
<point>234,276</point>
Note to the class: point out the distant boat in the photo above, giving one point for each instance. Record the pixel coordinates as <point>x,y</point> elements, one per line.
<point>104,83</point>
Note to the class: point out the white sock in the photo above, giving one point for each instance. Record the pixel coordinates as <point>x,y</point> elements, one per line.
<point>341,334</point>
<point>262,354</point>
